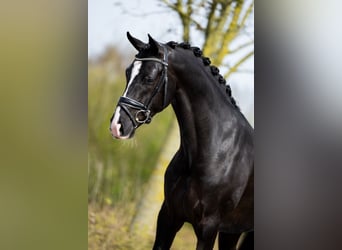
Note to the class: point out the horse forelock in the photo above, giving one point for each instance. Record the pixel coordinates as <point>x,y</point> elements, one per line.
<point>148,52</point>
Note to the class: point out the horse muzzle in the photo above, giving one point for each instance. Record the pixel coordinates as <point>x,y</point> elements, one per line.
<point>121,126</point>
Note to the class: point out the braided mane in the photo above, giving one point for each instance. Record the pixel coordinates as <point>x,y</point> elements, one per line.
<point>206,61</point>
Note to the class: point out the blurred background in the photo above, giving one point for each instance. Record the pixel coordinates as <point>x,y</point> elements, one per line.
<point>125,178</point>
<point>44,167</point>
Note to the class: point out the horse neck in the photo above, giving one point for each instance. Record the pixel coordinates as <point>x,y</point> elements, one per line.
<point>203,111</point>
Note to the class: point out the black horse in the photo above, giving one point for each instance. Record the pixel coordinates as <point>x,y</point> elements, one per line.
<point>209,182</point>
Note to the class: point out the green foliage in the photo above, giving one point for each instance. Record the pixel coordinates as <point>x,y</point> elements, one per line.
<point>222,24</point>
<point>118,170</point>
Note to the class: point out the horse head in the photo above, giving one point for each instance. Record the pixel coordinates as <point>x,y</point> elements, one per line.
<point>147,90</point>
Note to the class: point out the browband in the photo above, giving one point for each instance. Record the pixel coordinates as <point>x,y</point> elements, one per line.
<point>152,59</point>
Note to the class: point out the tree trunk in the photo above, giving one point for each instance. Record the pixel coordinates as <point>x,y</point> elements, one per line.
<point>144,222</point>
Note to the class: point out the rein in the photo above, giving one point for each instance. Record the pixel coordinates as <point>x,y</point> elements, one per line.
<point>143,115</point>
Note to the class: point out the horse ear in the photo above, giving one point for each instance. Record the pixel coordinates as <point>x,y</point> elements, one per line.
<point>153,44</point>
<point>139,45</point>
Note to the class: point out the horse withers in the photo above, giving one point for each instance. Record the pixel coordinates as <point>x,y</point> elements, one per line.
<point>210,180</point>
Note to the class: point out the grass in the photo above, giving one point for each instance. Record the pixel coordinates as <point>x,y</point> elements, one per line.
<point>108,228</point>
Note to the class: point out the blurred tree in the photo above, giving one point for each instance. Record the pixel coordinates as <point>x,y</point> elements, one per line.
<point>220,23</point>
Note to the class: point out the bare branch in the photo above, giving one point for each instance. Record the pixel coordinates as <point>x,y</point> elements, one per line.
<point>210,24</point>
<point>247,71</point>
<point>247,14</point>
<point>186,20</point>
<point>239,70</point>
<point>230,34</point>
<point>241,47</point>
<point>225,20</point>
<point>189,8</point>
<point>170,5</point>
<point>234,68</point>
<point>198,25</point>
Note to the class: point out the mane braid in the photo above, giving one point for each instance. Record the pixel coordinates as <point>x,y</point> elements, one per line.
<point>206,61</point>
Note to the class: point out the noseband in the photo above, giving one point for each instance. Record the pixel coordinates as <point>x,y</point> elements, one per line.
<point>143,115</point>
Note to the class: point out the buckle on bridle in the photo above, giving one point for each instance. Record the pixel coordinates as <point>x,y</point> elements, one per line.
<point>145,114</point>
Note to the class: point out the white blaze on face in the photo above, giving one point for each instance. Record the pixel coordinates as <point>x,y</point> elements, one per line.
<point>115,126</point>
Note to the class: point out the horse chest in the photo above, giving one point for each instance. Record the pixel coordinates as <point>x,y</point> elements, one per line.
<point>187,198</point>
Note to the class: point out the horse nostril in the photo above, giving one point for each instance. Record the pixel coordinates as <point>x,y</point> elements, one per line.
<point>121,130</point>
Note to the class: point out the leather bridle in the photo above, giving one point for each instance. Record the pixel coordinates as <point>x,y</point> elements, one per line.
<point>143,114</point>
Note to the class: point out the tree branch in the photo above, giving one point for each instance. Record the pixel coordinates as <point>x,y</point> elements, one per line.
<point>247,71</point>
<point>186,19</point>
<point>170,5</point>
<point>241,47</point>
<point>209,28</point>
<point>234,68</point>
<point>198,25</point>
<point>219,20</point>
<point>230,34</point>
<point>247,14</point>
<point>224,21</point>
